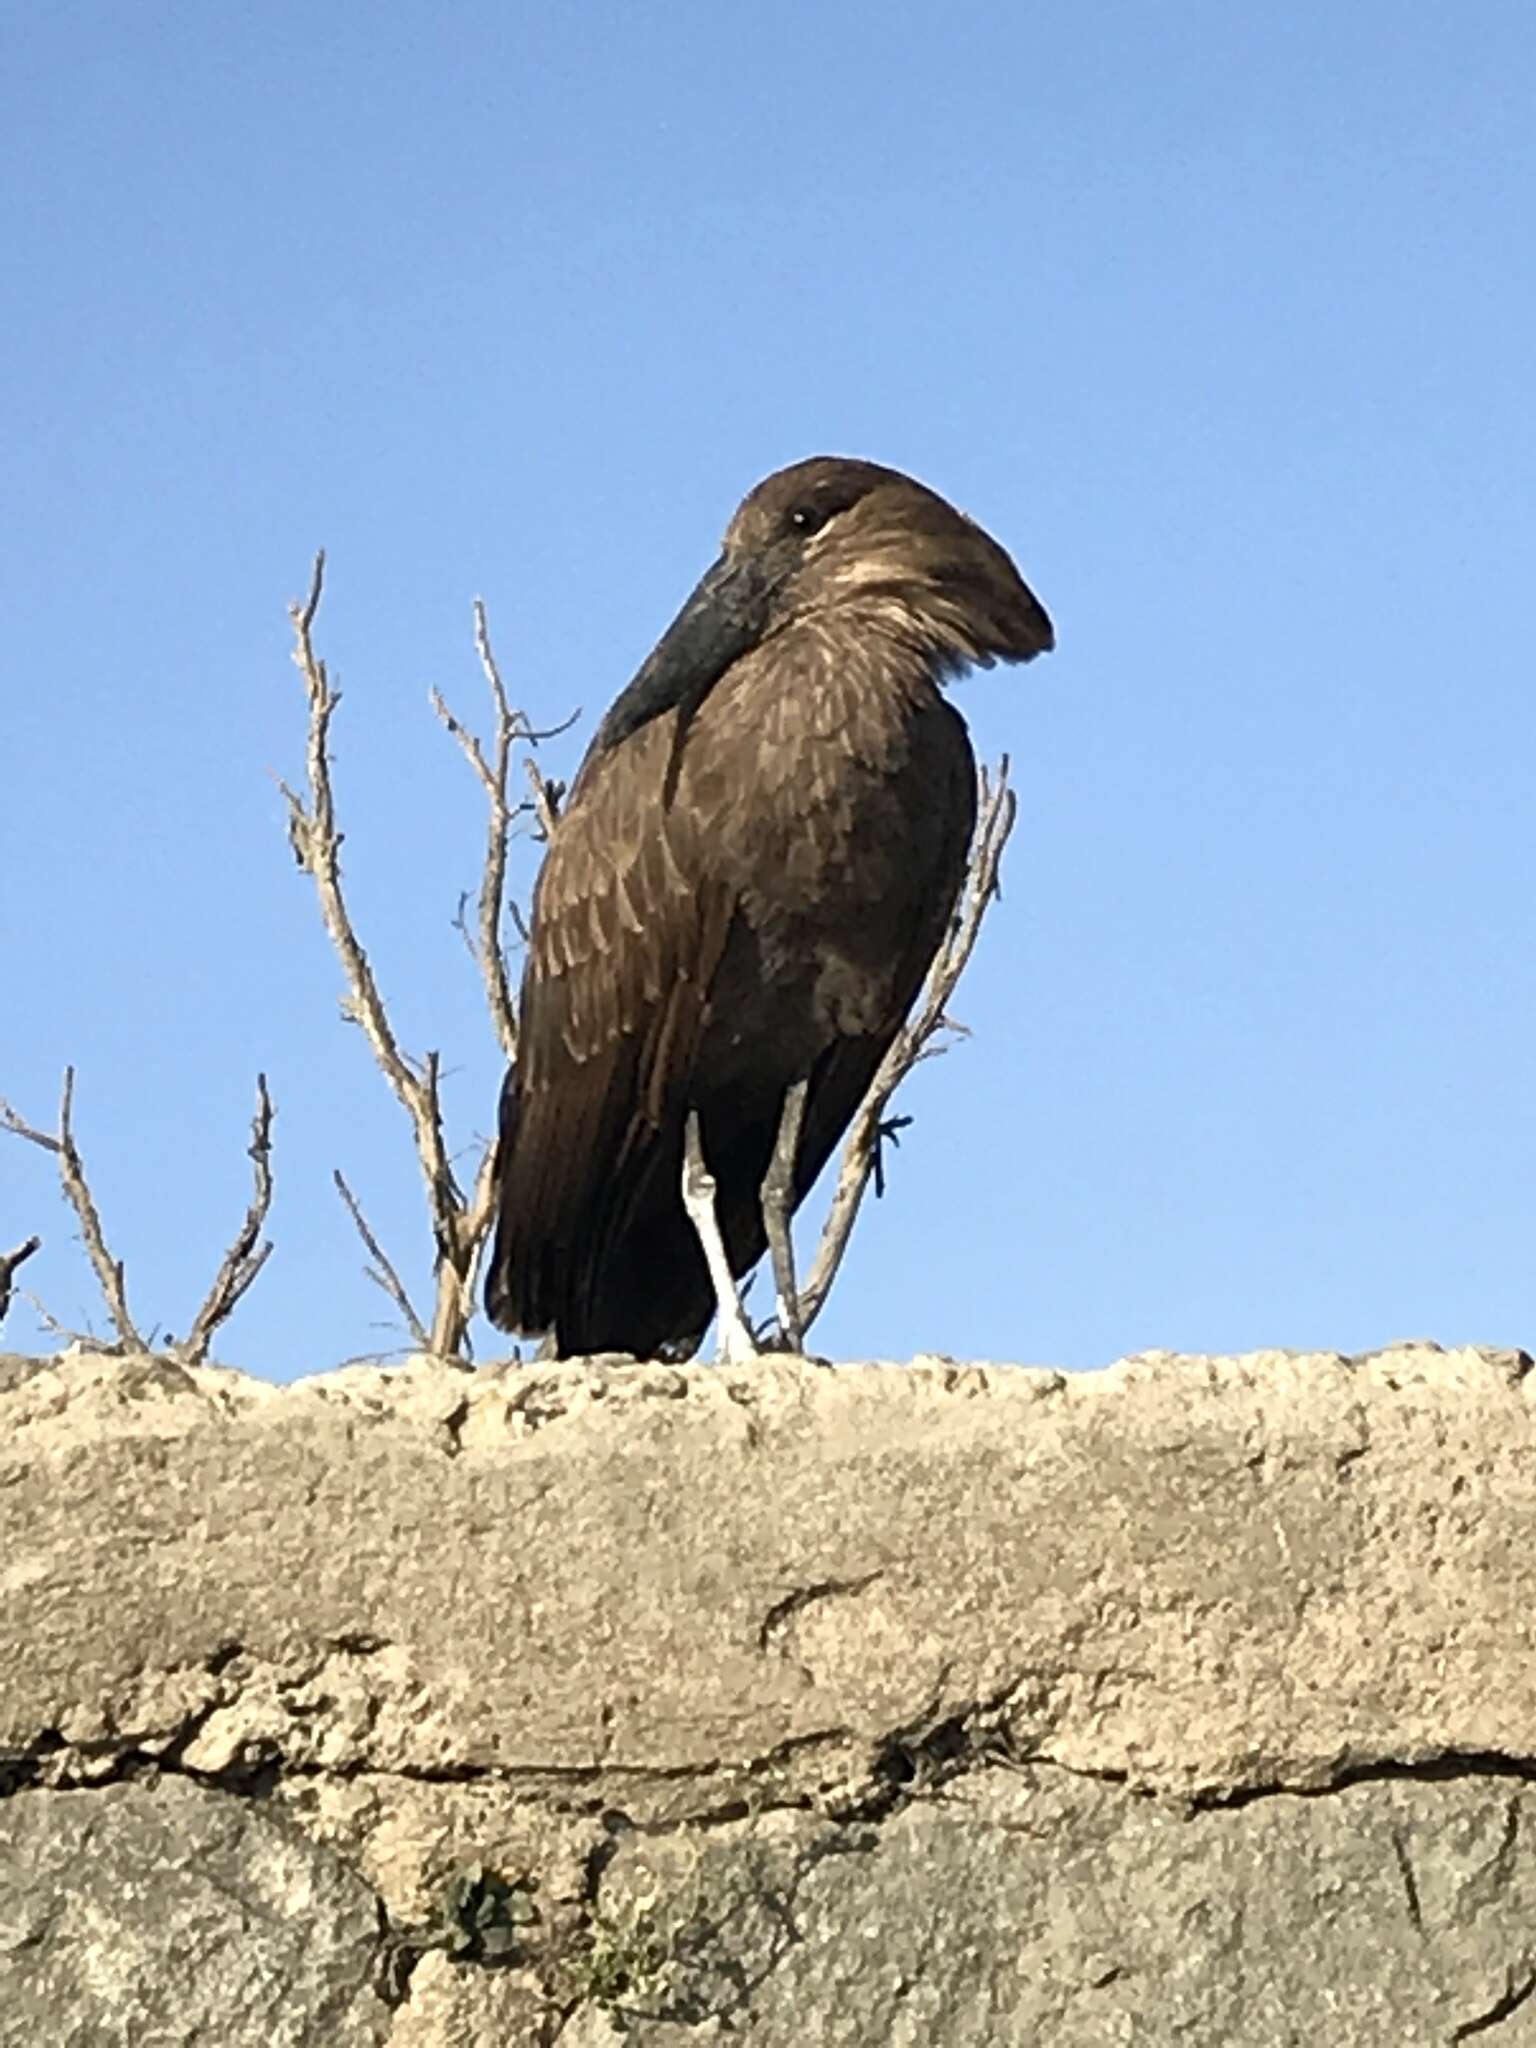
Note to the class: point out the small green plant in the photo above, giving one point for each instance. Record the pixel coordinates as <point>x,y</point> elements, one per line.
<point>480,1917</point>
<point>626,1956</point>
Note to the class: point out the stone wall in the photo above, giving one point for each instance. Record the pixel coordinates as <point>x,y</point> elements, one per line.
<point>1191,1701</point>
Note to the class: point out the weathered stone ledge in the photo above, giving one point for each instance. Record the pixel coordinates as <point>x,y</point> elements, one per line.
<point>1193,1700</point>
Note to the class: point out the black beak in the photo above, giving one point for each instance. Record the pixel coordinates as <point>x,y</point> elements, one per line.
<point>725,615</point>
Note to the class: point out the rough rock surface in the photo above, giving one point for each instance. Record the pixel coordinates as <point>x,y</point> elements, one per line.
<point>1193,1701</point>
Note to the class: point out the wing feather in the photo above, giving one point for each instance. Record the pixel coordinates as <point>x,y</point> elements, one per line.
<point>628,927</point>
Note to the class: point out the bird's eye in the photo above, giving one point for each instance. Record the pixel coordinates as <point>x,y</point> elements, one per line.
<point>808,519</point>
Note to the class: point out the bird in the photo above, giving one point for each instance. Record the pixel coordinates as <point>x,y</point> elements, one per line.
<point>757,861</point>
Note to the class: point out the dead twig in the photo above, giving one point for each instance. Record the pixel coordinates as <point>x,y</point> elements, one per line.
<point>778,1202</point>
<point>511,727</point>
<point>547,796</point>
<point>460,1225</point>
<point>49,1321</point>
<point>9,1261</point>
<point>316,842</point>
<point>243,1261</point>
<point>77,1191</point>
<point>489,954</point>
<point>245,1257</point>
<point>381,1272</point>
<point>861,1160</point>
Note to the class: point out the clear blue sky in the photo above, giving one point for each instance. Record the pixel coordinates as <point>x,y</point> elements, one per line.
<point>1222,318</point>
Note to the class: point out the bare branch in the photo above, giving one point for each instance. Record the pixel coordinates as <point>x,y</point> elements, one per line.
<point>456,1284</point>
<point>12,1122</point>
<point>460,1227</point>
<point>493,775</point>
<point>245,1257</point>
<point>511,726</point>
<point>547,795</point>
<point>49,1321</point>
<point>377,1357</point>
<point>9,1261</point>
<point>860,1160</point>
<point>381,1272</point>
<point>77,1191</point>
<point>317,845</point>
<point>778,1201</point>
<point>461,926</point>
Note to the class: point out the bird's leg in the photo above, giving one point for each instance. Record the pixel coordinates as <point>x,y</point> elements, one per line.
<point>737,1343</point>
<point>778,1199</point>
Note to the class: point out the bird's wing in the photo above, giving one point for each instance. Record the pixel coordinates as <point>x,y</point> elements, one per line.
<point>628,928</point>
<point>941,849</point>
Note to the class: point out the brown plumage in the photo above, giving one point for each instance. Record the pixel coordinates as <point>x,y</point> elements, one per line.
<point>758,860</point>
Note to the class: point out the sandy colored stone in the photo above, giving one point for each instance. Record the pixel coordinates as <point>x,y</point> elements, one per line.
<point>1070,1708</point>
<point>451,2006</point>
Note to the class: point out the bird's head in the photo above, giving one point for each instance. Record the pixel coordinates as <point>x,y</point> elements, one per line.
<point>853,540</point>
<point>834,535</point>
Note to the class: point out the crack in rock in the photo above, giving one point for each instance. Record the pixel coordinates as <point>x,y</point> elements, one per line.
<point>802,1597</point>
<point>1516,1993</point>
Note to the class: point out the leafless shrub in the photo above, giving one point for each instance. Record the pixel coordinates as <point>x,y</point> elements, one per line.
<point>460,1220</point>
<point>239,1267</point>
<point>250,1251</point>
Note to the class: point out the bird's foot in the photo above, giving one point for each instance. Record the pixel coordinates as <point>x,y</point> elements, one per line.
<point>735,1341</point>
